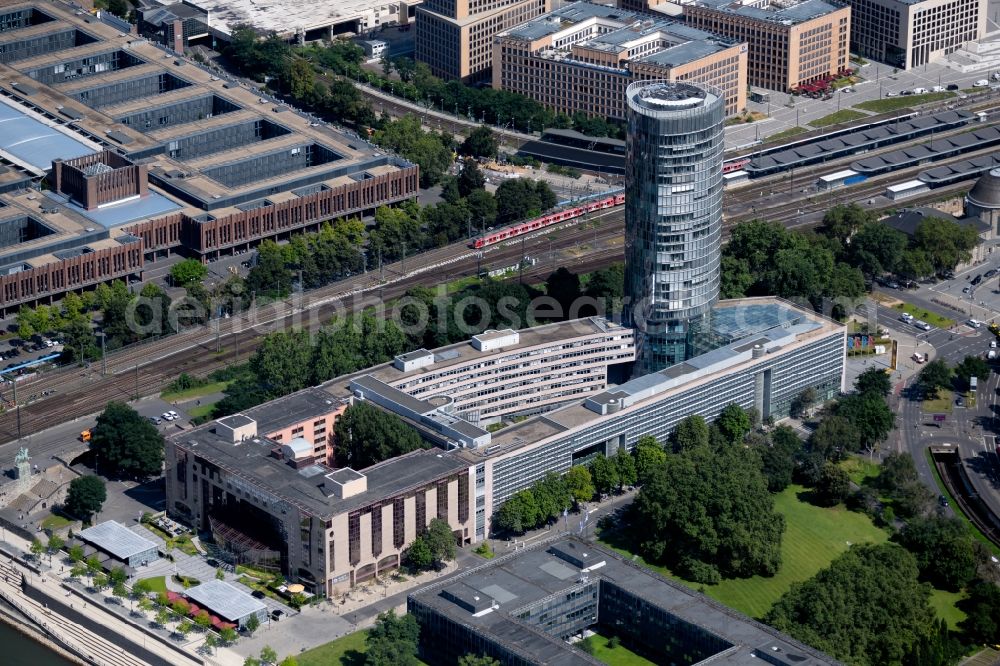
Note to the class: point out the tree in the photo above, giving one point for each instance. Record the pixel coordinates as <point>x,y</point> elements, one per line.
<point>220,574</point>
<point>419,555</point>
<point>162,617</point>
<point>564,287</point>
<point>426,149</point>
<point>833,487</point>
<point>392,640</point>
<point>282,363</point>
<point>870,415</point>
<point>579,483</point>
<point>268,655</point>
<point>690,433</point>
<point>947,553</point>
<point>85,497</point>
<point>876,248</point>
<point>228,635</point>
<point>945,242</point>
<point>604,473</point>
<point>126,444</point>
<point>733,423</point>
<point>270,276</point>
<point>366,435</point>
<point>441,540</point>
<point>211,642</point>
<point>289,661</point>
<point>834,434</point>
<point>520,198</point>
<point>100,581</point>
<point>688,511</point>
<point>649,458</point>
<point>481,142</point>
<point>76,553</point>
<point>37,548</point>
<point>188,272</point>
<point>471,178</point>
<point>969,367</point>
<point>55,543</point>
<point>252,624</point>
<point>518,514</point>
<point>625,463</point>
<point>866,608</point>
<point>477,660</point>
<point>778,459</point>
<point>982,610</point>
<point>117,575</point>
<point>842,221</point>
<point>874,380</point>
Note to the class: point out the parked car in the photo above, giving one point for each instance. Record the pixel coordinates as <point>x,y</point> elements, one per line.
<point>257,594</point>
<point>959,401</point>
<point>890,94</point>
<point>276,615</point>
<point>990,273</point>
<point>919,91</point>
<point>155,420</point>
<point>974,323</point>
<point>212,563</point>
<point>952,86</point>
<point>942,500</point>
<point>937,89</point>
<point>976,280</point>
<point>922,325</point>
<point>166,416</point>
<point>173,414</point>
<point>966,290</point>
<point>981,83</point>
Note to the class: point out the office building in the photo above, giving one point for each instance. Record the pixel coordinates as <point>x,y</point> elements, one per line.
<point>147,154</point>
<point>179,24</point>
<point>455,37</point>
<point>906,34</point>
<point>528,607</point>
<point>582,56</point>
<point>789,43</point>
<point>268,504</point>
<point>778,351</point>
<point>673,215</point>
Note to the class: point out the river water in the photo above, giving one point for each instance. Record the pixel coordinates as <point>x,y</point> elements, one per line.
<point>19,650</point>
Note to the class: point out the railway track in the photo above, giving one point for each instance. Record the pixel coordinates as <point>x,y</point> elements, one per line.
<point>146,368</point>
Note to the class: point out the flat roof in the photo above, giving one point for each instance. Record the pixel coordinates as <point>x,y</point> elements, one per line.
<point>309,403</point>
<point>286,16</point>
<point>793,326</point>
<point>252,459</point>
<point>226,601</point>
<point>492,597</point>
<point>116,539</point>
<point>463,353</point>
<point>838,175</point>
<point>28,141</point>
<point>775,13</point>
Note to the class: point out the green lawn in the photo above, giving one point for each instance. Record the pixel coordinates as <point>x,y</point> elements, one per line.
<point>902,102</point>
<point>942,404</point>
<point>931,318</point>
<point>842,116</point>
<point>199,411</point>
<point>785,134</point>
<point>157,584</point>
<point>56,522</point>
<point>943,604</point>
<point>345,651</point>
<point>860,469</point>
<point>616,656</point>
<point>196,392</point>
<point>813,537</point>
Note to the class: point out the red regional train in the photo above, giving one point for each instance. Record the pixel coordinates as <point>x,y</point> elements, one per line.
<point>516,230</point>
<point>552,218</point>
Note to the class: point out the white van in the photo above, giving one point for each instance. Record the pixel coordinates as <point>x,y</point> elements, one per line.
<point>981,83</point>
<point>919,91</point>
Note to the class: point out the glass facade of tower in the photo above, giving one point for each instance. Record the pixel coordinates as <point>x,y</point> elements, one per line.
<point>673,215</point>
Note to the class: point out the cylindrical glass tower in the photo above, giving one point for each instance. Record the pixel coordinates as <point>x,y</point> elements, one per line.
<point>673,215</point>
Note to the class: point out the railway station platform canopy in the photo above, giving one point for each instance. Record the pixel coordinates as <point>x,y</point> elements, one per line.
<point>868,138</point>
<point>931,151</point>
<point>964,170</point>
